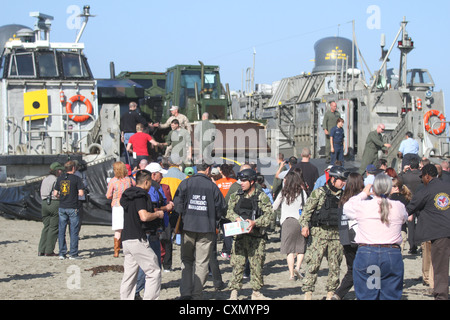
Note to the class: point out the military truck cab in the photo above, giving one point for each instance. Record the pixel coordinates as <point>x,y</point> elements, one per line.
<point>154,86</point>
<point>196,89</point>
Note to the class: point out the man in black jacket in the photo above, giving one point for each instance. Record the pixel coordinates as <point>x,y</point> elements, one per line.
<point>201,205</point>
<point>432,204</point>
<point>138,208</point>
<point>128,122</point>
<point>411,179</point>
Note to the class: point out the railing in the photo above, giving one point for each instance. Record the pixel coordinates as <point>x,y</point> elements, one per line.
<point>26,120</point>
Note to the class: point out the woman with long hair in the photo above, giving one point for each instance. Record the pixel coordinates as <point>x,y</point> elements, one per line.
<point>292,199</point>
<point>378,268</point>
<point>116,187</point>
<point>347,230</point>
<point>401,193</point>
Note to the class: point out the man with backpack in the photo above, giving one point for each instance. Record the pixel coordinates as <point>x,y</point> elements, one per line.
<point>320,220</point>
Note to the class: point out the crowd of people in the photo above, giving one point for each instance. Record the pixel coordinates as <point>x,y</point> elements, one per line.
<point>364,219</point>
<point>366,216</point>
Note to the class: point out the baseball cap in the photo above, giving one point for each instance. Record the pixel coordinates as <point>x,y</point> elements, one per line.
<point>154,167</point>
<point>371,169</point>
<point>215,171</point>
<point>173,108</point>
<point>189,171</point>
<point>57,166</point>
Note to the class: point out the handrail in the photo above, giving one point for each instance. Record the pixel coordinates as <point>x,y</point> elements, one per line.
<point>26,119</point>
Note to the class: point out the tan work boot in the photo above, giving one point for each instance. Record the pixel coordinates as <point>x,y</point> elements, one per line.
<point>256,295</point>
<point>308,295</point>
<point>330,295</point>
<point>234,295</point>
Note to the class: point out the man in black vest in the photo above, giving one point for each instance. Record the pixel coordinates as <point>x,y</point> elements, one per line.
<point>320,213</point>
<point>253,206</point>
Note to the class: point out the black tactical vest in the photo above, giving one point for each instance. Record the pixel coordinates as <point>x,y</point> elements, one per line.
<point>328,214</point>
<point>247,208</point>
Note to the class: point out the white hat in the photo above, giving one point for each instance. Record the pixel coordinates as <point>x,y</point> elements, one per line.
<point>174,108</point>
<point>155,167</point>
<point>215,171</point>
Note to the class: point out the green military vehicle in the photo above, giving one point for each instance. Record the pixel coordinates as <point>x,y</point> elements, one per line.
<point>196,89</point>
<point>154,85</point>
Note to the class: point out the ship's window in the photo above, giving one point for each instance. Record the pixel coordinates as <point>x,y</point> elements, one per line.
<point>47,65</point>
<point>22,65</point>
<point>418,77</point>
<point>73,66</point>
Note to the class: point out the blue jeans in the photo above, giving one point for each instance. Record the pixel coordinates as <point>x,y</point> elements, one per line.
<point>378,273</point>
<point>338,153</point>
<point>126,137</point>
<point>69,217</point>
<point>155,244</point>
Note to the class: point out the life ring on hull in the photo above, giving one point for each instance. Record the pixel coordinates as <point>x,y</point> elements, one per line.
<point>80,98</point>
<point>426,119</point>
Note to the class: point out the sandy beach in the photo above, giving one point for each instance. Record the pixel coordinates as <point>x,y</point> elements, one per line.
<point>25,276</point>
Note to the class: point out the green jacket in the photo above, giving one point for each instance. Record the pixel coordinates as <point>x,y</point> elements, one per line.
<point>330,119</point>
<point>374,143</point>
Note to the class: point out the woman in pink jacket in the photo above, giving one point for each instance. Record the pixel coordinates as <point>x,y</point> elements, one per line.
<point>378,268</point>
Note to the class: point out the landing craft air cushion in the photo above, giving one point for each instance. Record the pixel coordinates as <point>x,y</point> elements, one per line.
<point>404,100</point>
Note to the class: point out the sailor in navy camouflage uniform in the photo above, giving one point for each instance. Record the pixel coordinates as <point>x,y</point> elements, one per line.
<point>324,233</point>
<point>249,246</point>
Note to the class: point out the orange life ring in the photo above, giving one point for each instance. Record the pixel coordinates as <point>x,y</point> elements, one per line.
<point>83,99</point>
<point>426,119</point>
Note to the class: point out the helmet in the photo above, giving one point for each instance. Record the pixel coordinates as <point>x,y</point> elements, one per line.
<point>247,175</point>
<point>339,172</point>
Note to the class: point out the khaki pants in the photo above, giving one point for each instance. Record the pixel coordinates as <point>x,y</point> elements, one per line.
<point>195,253</point>
<point>139,254</point>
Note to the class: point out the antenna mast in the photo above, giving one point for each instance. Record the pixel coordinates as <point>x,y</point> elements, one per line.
<point>86,14</point>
